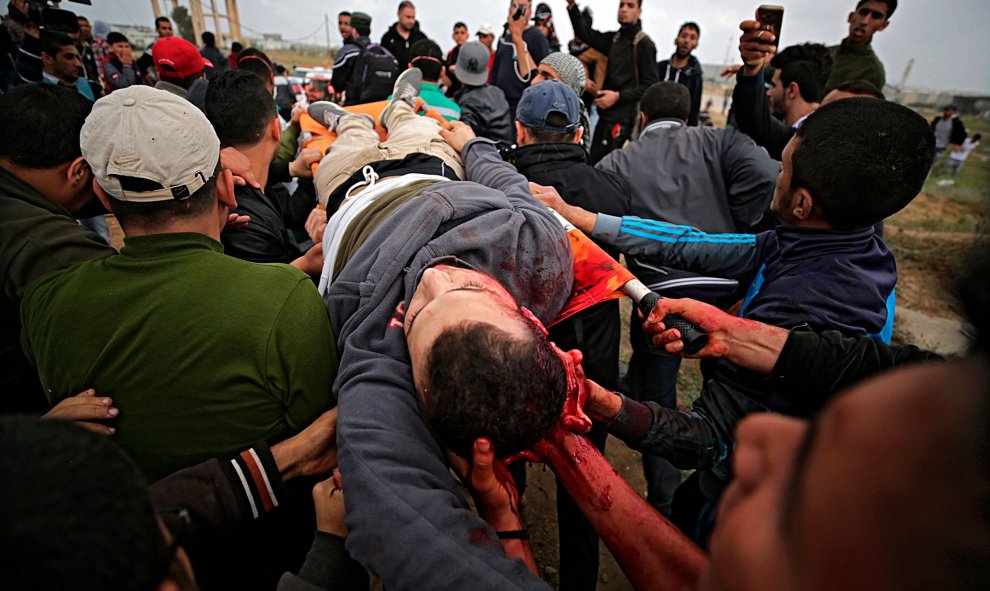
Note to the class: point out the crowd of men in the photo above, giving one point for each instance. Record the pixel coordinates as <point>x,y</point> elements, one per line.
<point>303,360</point>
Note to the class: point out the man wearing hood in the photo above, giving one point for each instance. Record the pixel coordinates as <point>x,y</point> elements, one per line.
<point>403,33</point>
<point>684,68</point>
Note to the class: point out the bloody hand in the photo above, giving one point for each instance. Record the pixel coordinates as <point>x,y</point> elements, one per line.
<point>574,417</point>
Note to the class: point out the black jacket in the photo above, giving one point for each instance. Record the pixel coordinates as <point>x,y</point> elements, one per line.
<point>812,366</point>
<point>265,239</point>
<point>691,76</point>
<point>626,74</point>
<point>753,117</point>
<point>399,46</point>
<point>958,135</point>
<point>566,168</point>
<point>486,110</point>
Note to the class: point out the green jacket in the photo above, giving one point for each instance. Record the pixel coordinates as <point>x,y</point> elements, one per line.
<point>203,354</point>
<point>854,62</point>
<point>37,237</point>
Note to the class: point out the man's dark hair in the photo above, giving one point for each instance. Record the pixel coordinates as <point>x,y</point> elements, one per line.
<point>53,43</point>
<point>404,5</point>
<point>236,47</point>
<point>861,88</point>
<point>162,19</point>
<point>363,30</point>
<point>484,382</point>
<point>862,159</point>
<point>666,99</point>
<point>976,137</point>
<point>459,25</point>
<point>257,62</point>
<point>184,82</point>
<point>80,17</point>
<point>426,55</point>
<point>159,213</point>
<point>239,107</point>
<point>690,25</point>
<point>809,65</point>
<point>344,13</point>
<point>115,37</point>
<point>553,119</point>
<point>74,511</point>
<point>208,38</point>
<point>40,125</point>
<point>891,6</point>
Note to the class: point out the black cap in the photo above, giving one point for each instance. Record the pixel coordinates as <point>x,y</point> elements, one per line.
<point>360,19</point>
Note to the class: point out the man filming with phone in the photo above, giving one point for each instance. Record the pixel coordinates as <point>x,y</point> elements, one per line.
<point>519,49</point>
<point>632,58</point>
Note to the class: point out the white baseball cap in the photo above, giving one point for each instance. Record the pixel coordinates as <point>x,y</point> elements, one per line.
<point>485,29</point>
<point>149,134</point>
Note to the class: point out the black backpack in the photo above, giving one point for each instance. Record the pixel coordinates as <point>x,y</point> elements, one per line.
<point>373,76</point>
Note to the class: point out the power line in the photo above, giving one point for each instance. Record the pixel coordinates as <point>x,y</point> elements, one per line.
<point>256,31</point>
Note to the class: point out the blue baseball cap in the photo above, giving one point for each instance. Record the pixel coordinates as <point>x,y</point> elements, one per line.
<point>539,100</point>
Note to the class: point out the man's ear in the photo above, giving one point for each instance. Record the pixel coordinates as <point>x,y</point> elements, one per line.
<point>521,136</point>
<point>578,135</point>
<point>443,71</point>
<point>275,129</point>
<point>102,195</point>
<point>885,23</point>
<point>803,204</point>
<point>78,172</point>
<point>849,18</point>
<point>793,90</point>
<point>642,120</point>
<point>225,189</point>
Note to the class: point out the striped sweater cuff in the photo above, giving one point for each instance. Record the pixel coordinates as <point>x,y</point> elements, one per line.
<point>255,481</point>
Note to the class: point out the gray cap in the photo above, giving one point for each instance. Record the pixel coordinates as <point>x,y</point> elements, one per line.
<point>472,64</point>
<point>569,68</point>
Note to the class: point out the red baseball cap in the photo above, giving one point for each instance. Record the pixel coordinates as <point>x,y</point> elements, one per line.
<point>177,58</point>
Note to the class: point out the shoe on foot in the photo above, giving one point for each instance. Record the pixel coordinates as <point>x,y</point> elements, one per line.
<point>329,114</point>
<point>406,89</point>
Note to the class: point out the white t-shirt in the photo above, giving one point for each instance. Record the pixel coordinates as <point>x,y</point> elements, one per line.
<point>967,147</point>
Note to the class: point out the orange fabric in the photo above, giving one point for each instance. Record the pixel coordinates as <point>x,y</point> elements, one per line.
<point>597,276</point>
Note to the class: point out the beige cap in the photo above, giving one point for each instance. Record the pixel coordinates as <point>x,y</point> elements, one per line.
<point>485,29</point>
<point>149,134</point>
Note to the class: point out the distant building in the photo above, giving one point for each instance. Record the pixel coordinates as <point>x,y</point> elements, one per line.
<point>272,42</point>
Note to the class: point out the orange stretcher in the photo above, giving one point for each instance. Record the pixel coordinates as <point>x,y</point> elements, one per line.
<point>315,134</point>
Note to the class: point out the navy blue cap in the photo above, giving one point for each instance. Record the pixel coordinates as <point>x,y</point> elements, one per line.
<point>544,98</point>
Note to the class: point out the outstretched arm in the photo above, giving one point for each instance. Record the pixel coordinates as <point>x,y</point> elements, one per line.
<point>651,551</point>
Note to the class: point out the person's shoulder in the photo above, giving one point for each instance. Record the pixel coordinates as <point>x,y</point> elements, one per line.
<point>52,286</point>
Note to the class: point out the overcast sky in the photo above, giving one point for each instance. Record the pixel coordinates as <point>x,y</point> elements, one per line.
<point>948,39</point>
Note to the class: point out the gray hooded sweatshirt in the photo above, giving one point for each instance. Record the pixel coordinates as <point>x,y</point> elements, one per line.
<point>409,523</point>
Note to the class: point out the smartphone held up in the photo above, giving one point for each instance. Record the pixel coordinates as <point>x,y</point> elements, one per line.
<point>770,17</point>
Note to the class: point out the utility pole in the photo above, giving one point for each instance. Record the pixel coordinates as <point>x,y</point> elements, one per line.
<point>326,25</point>
<point>233,21</point>
<point>199,25</point>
